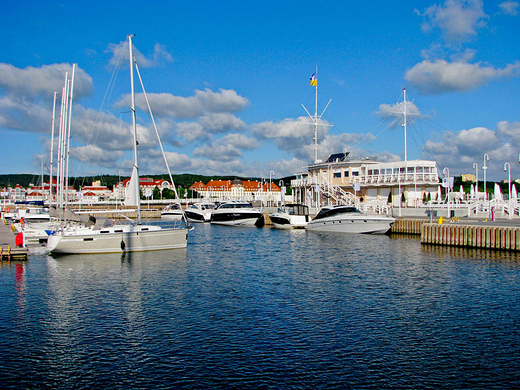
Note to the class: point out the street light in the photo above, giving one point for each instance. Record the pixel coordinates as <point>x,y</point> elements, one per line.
<point>509,185</point>
<point>446,172</point>
<point>270,188</point>
<point>486,158</point>
<point>475,165</point>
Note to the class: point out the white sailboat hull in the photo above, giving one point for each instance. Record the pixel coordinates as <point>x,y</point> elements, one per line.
<point>117,240</point>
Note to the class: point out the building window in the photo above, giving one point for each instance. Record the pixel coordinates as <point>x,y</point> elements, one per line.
<point>337,174</point>
<point>345,174</point>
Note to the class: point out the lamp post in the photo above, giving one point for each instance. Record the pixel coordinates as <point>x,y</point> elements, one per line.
<point>509,188</point>
<point>270,188</point>
<point>475,165</point>
<point>486,158</point>
<point>446,172</point>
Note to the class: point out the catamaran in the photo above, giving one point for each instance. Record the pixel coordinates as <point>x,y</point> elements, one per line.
<point>95,237</point>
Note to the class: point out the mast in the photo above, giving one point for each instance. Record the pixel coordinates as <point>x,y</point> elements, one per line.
<point>315,118</point>
<point>52,146</point>
<point>68,124</point>
<point>404,125</point>
<point>135,170</point>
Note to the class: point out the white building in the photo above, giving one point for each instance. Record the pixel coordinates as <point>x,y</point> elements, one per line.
<point>345,179</point>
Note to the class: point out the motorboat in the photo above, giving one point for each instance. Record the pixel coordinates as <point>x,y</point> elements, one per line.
<point>200,212</point>
<point>291,216</point>
<point>172,212</point>
<point>237,213</point>
<point>348,219</point>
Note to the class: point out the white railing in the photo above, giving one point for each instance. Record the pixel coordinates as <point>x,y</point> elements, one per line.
<point>395,178</point>
<point>338,194</point>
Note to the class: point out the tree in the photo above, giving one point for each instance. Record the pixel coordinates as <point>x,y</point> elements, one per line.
<point>390,197</point>
<point>156,193</point>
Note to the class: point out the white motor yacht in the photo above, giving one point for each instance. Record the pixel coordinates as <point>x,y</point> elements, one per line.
<point>291,216</point>
<point>237,213</point>
<point>172,212</point>
<point>348,219</point>
<point>200,212</point>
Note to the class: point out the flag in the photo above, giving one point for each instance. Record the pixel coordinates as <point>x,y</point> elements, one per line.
<point>314,80</point>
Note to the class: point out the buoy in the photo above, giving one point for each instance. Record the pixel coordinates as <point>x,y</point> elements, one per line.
<point>123,245</point>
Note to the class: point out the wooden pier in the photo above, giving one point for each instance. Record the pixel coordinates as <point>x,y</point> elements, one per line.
<point>8,248</point>
<point>472,236</point>
<point>468,234</point>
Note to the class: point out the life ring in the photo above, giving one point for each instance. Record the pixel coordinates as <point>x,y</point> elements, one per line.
<point>7,209</point>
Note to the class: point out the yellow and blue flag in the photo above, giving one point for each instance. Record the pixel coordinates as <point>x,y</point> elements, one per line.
<point>314,80</point>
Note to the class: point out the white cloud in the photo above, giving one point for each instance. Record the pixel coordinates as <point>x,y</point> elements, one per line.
<point>166,104</point>
<point>509,7</point>
<point>94,154</point>
<point>459,150</point>
<point>442,76</point>
<point>221,123</point>
<point>458,20</point>
<point>218,152</point>
<point>33,83</point>
<point>120,54</point>
<point>395,112</point>
<point>227,148</point>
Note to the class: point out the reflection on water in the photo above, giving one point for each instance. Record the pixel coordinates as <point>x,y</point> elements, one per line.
<point>263,308</point>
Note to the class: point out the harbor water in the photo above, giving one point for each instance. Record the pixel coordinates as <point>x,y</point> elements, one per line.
<point>249,308</point>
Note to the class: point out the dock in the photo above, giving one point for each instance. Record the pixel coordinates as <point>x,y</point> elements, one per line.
<point>497,235</point>
<point>8,248</point>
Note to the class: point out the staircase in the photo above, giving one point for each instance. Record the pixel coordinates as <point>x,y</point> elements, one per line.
<point>337,194</point>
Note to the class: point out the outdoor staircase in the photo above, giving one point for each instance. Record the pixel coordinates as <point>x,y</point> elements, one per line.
<point>337,194</point>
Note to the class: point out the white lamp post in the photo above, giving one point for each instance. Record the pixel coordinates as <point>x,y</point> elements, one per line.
<point>509,188</point>
<point>475,165</point>
<point>270,188</point>
<point>486,158</point>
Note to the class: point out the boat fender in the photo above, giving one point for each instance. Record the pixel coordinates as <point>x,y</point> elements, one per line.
<point>123,245</point>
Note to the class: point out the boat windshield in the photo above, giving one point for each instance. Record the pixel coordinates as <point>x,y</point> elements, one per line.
<point>235,206</point>
<point>329,212</point>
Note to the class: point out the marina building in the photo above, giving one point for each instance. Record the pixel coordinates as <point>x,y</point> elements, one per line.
<point>345,179</point>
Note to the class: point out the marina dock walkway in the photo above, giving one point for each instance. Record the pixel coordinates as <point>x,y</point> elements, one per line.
<point>9,250</point>
<point>501,234</point>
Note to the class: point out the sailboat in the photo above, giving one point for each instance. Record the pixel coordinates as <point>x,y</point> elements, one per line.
<point>94,237</point>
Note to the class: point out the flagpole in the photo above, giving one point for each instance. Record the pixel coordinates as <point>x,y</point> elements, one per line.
<point>316,121</point>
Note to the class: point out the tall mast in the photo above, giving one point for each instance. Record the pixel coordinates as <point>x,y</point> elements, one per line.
<point>315,118</point>
<point>68,124</point>
<point>404,125</point>
<point>134,126</point>
<point>52,146</point>
<point>316,121</point>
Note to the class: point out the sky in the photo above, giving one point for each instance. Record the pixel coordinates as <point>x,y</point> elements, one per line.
<point>227,82</point>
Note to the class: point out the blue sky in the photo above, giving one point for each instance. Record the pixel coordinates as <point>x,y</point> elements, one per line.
<point>227,80</point>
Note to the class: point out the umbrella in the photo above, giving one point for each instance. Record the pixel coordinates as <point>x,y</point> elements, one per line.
<point>514,194</point>
<point>472,191</point>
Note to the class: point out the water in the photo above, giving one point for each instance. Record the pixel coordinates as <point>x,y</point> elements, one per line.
<point>264,309</point>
